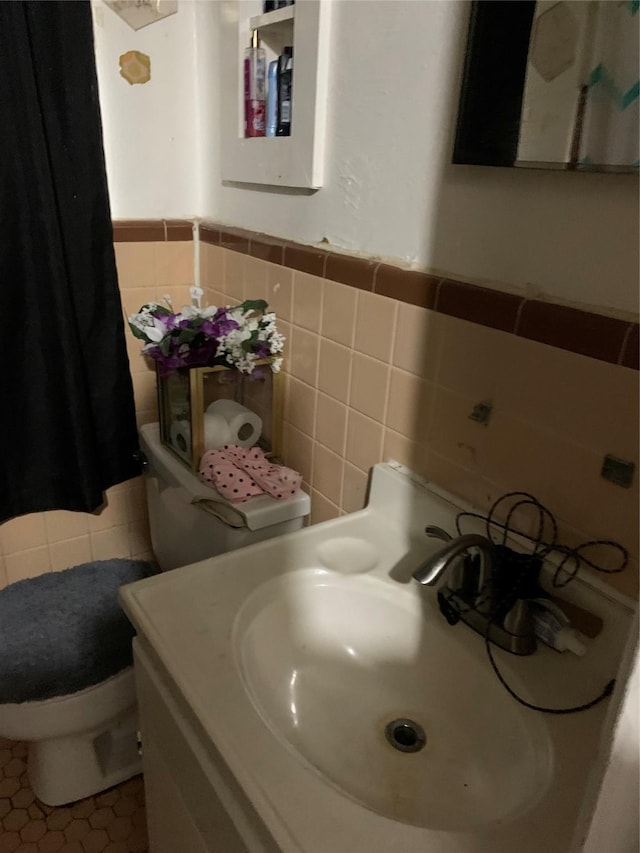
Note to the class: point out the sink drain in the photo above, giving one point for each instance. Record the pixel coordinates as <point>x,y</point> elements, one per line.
<point>405,735</point>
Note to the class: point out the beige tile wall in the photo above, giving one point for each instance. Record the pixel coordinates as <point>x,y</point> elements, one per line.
<point>51,541</point>
<point>366,379</point>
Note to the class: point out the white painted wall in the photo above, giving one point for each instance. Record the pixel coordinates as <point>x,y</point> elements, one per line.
<point>390,190</point>
<point>388,89</point>
<point>149,129</point>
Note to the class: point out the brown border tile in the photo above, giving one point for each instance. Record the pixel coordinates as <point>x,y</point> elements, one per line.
<point>630,355</point>
<point>354,271</point>
<point>138,231</point>
<point>210,234</point>
<point>304,258</point>
<point>267,248</point>
<point>235,239</point>
<point>595,335</point>
<point>179,229</point>
<point>493,308</point>
<point>416,288</point>
<point>571,329</point>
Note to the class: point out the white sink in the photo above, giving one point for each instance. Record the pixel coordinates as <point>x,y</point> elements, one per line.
<point>329,661</point>
<point>293,655</point>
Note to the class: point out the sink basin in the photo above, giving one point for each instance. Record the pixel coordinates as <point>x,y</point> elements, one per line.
<point>329,661</point>
<point>292,664</point>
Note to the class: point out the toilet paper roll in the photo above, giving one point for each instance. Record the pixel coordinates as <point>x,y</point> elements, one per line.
<point>216,431</point>
<point>180,437</point>
<point>245,427</point>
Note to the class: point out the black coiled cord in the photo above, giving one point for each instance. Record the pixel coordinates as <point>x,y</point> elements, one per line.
<point>543,545</point>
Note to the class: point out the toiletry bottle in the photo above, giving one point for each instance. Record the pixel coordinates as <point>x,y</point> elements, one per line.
<point>285,91</point>
<point>254,88</point>
<point>272,98</point>
<point>552,626</point>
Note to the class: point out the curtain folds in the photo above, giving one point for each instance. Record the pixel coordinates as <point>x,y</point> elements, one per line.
<point>610,125</point>
<point>68,428</point>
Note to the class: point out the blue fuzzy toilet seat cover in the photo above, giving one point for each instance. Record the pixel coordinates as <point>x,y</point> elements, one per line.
<point>64,631</point>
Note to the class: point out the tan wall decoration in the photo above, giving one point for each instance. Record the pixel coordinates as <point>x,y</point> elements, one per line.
<point>135,67</point>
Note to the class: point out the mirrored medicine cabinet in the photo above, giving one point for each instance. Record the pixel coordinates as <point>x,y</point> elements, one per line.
<point>552,85</point>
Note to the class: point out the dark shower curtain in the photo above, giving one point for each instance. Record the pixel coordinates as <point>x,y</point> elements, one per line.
<point>67,418</point>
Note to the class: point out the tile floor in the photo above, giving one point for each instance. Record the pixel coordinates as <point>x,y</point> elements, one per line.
<point>111,822</point>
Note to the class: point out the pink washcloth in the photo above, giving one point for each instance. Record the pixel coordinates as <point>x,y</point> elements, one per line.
<point>239,474</point>
<point>275,480</point>
<point>218,471</point>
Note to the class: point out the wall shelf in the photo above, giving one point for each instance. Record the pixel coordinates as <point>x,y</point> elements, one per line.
<point>285,161</point>
<point>272,19</point>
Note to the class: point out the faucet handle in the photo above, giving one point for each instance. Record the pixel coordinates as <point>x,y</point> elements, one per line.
<point>519,620</point>
<point>429,572</point>
<point>436,532</point>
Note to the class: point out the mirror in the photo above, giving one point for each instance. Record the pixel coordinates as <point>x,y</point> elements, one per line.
<point>551,85</point>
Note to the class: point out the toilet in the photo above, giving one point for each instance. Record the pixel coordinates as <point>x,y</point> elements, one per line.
<point>85,740</point>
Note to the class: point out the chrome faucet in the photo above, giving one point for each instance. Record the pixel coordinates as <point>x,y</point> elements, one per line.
<point>468,594</point>
<point>435,565</point>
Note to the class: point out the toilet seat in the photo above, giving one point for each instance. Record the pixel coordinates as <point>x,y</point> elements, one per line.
<point>66,678</point>
<point>83,711</point>
<point>81,743</point>
<point>61,632</point>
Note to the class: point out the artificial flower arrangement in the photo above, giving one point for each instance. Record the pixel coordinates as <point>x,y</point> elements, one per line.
<point>236,336</point>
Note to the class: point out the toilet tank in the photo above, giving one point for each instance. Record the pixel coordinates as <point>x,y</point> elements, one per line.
<point>190,521</point>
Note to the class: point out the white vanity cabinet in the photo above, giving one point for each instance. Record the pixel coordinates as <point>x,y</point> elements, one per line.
<point>193,804</point>
<point>283,161</point>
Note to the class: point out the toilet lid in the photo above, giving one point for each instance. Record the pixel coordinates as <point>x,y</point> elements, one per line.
<point>65,631</point>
